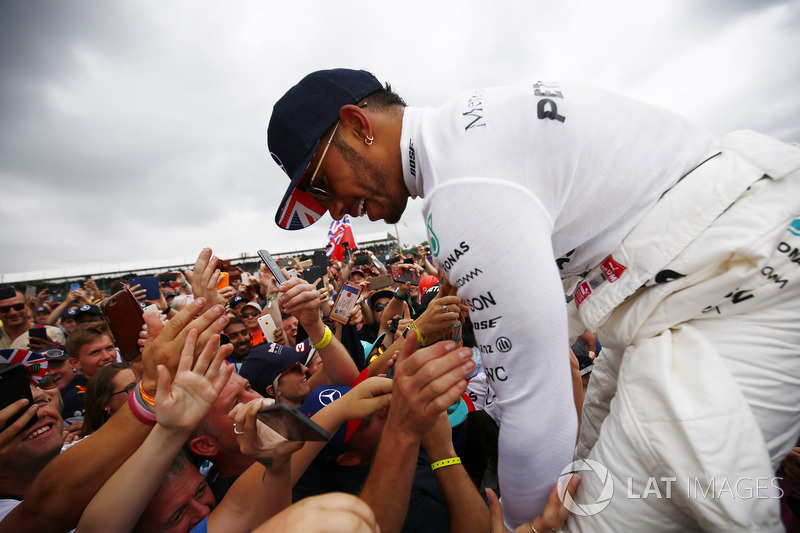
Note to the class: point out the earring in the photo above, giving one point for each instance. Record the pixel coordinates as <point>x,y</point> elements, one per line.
<point>368,140</point>
<point>107,410</point>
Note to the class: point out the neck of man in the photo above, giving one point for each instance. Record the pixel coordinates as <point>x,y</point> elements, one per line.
<point>294,402</point>
<point>231,465</point>
<point>15,331</point>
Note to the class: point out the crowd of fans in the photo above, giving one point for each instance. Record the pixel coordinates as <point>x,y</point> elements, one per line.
<point>172,441</point>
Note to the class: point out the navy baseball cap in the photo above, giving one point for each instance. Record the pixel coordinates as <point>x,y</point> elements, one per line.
<point>299,120</point>
<point>266,361</point>
<point>88,308</point>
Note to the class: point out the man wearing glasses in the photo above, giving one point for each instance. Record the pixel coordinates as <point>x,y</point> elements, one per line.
<point>16,323</point>
<point>664,238</point>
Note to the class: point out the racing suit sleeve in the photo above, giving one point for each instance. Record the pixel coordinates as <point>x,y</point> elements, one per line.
<point>492,239</point>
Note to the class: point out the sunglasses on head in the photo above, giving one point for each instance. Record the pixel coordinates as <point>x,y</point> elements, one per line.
<point>16,307</point>
<point>54,352</point>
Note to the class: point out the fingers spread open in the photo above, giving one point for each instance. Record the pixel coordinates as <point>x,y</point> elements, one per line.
<point>177,323</point>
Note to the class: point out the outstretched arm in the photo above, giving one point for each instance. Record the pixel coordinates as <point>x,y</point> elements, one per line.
<point>301,299</point>
<point>426,382</point>
<point>62,490</point>
<point>180,406</point>
<point>465,507</point>
<point>265,488</point>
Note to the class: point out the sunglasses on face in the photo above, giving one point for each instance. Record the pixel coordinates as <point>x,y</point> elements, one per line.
<point>379,307</point>
<point>48,382</point>
<point>319,191</point>
<point>16,307</point>
<point>249,315</point>
<point>297,367</point>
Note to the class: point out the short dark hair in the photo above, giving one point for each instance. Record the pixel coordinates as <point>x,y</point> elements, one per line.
<point>234,320</point>
<point>384,99</point>
<point>84,334</point>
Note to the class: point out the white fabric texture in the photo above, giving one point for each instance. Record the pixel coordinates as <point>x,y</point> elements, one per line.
<point>530,184</point>
<point>708,387</point>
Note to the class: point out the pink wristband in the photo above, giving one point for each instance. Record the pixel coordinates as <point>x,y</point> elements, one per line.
<point>142,415</point>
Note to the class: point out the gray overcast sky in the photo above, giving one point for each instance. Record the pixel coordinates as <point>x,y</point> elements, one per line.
<point>135,131</point>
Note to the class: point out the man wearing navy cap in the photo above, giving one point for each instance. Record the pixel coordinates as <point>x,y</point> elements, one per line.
<point>276,371</point>
<point>67,321</point>
<point>675,247</point>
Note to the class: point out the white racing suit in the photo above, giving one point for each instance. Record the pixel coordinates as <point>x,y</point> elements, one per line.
<point>696,398</point>
<point>523,186</point>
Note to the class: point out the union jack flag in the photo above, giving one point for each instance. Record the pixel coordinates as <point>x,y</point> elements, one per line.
<point>300,211</point>
<point>340,232</point>
<point>36,362</point>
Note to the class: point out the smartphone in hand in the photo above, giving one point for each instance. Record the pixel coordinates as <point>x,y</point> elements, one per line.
<point>268,327</point>
<point>38,333</point>
<point>380,282</point>
<point>149,284</point>
<point>346,300</point>
<point>272,266</point>
<point>15,385</point>
<point>402,275</point>
<point>125,318</point>
<point>291,423</point>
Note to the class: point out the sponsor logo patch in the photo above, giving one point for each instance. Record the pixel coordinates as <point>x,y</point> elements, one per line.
<point>581,293</point>
<point>612,269</point>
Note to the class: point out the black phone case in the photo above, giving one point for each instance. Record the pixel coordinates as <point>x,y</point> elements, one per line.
<point>15,385</point>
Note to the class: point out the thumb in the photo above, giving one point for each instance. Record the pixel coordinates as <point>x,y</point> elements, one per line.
<point>446,289</point>
<point>164,384</point>
<point>409,347</point>
<point>154,325</point>
<point>496,512</point>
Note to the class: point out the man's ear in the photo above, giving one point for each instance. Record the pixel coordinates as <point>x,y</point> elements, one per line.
<point>355,122</point>
<point>348,459</point>
<point>270,391</point>
<point>76,365</point>
<point>204,446</point>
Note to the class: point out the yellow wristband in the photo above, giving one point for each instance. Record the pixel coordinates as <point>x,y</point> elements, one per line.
<point>420,338</point>
<point>326,339</point>
<point>446,462</point>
